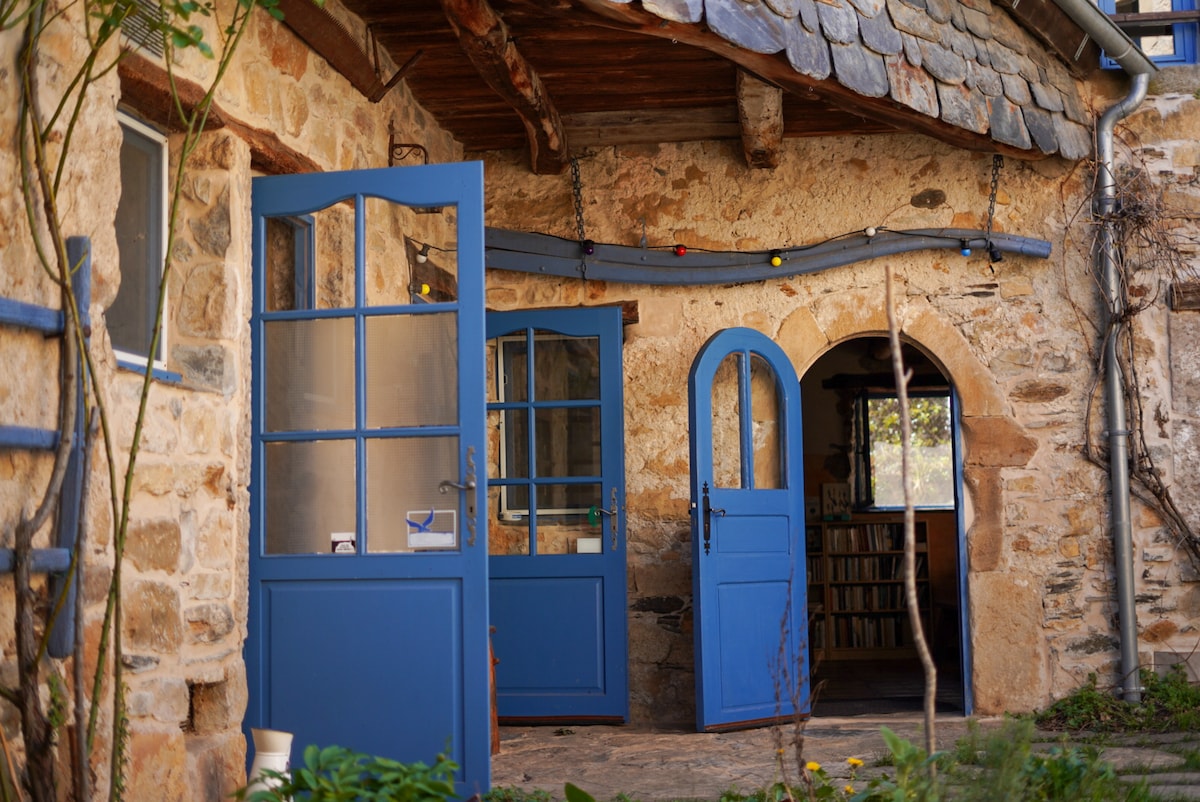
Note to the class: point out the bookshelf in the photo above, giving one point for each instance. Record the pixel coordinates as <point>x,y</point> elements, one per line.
<point>856,603</point>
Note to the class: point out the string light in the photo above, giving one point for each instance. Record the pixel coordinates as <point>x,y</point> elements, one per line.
<point>588,246</point>
<point>680,250</point>
<point>423,254</point>
<point>776,259</point>
<point>965,250</point>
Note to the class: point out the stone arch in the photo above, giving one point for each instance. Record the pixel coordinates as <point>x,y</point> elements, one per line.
<point>992,440</point>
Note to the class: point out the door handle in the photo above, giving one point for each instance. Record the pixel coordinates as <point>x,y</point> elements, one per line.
<point>596,511</point>
<point>467,484</point>
<point>708,512</point>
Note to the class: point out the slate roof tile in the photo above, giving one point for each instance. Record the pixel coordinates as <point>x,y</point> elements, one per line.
<point>839,21</point>
<point>808,15</point>
<point>985,79</point>
<point>912,48</point>
<point>912,86</point>
<point>1074,141</point>
<point>676,10</point>
<point>808,53</point>
<point>1017,89</point>
<point>869,9</point>
<point>860,70</point>
<point>788,9</point>
<point>964,107</point>
<point>880,35</point>
<point>943,63</point>
<point>1041,129</point>
<point>1047,97</point>
<point>1008,123</point>
<point>914,21</point>
<point>753,26</point>
<point>939,10</point>
<point>977,22</point>
<point>967,63</point>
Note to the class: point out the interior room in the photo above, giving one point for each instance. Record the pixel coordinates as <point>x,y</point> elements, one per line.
<point>863,650</point>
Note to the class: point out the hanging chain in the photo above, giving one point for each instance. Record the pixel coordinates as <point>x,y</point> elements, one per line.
<point>997,163</point>
<point>577,188</point>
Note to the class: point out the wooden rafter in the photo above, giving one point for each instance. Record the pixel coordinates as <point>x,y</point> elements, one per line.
<point>775,68</point>
<point>760,113</point>
<point>484,37</point>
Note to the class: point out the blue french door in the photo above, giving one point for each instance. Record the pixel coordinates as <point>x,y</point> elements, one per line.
<point>368,553</point>
<point>556,494</point>
<point>748,570</point>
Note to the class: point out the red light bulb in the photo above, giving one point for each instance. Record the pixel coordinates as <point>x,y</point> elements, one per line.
<point>680,250</point>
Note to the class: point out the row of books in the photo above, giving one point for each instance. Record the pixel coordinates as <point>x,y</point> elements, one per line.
<point>871,632</point>
<point>865,537</point>
<point>874,597</point>
<point>868,567</point>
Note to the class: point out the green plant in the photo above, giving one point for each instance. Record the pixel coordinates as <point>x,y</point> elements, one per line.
<point>1169,702</point>
<point>514,794</point>
<point>336,774</point>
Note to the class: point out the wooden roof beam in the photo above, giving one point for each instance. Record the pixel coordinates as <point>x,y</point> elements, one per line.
<point>484,38</point>
<point>760,113</point>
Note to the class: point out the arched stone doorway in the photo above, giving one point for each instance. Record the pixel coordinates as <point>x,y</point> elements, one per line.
<point>991,440</point>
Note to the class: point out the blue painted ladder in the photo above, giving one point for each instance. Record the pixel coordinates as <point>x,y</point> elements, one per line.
<point>56,561</point>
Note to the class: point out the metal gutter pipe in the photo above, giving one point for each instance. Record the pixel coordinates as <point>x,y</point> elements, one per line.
<point>1121,49</point>
<point>1114,388</point>
<point>1104,32</point>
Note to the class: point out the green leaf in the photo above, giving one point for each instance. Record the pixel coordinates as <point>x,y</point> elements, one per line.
<point>576,794</point>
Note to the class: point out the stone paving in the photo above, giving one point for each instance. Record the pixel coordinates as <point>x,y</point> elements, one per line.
<point>658,765</point>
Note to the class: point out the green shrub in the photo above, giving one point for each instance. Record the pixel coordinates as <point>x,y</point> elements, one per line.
<point>336,774</point>
<point>1168,703</point>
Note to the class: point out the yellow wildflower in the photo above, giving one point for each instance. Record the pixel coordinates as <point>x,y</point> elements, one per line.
<point>853,761</point>
<point>812,765</point>
<point>849,789</point>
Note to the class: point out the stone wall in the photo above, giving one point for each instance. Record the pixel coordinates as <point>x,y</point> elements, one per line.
<point>184,585</point>
<point>1018,338</point>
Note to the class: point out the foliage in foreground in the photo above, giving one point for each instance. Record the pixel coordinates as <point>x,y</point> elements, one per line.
<point>1169,703</point>
<point>336,774</point>
<point>1000,767</point>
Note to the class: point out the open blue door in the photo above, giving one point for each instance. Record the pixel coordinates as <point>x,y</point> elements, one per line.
<point>748,572</point>
<point>368,556</point>
<point>557,481</point>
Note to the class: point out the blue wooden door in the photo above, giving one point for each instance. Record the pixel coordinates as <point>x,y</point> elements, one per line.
<point>557,489</point>
<point>368,555</point>
<point>747,533</point>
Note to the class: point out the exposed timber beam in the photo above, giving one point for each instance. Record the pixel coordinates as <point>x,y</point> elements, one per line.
<point>775,68</point>
<point>760,112</point>
<point>484,38</point>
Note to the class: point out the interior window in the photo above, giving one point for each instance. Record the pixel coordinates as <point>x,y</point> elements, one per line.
<point>879,483</point>
<point>141,232</point>
<point>551,426</point>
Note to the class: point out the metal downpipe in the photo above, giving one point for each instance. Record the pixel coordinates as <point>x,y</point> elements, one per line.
<point>1118,431</point>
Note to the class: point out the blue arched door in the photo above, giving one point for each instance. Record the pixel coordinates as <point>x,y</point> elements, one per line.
<point>747,533</point>
<point>368,603</point>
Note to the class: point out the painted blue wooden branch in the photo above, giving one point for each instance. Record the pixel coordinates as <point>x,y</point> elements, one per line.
<point>45,561</point>
<point>555,256</point>
<point>30,316</point>
<point>70,500</point>
<point>57,561</point>
<point>27,438</point>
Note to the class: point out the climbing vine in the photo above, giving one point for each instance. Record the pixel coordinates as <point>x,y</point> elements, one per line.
<point>52,103</point>
<point>1149,239</point>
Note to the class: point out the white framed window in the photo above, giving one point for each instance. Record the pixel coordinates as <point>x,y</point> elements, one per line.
<point>141,238</point>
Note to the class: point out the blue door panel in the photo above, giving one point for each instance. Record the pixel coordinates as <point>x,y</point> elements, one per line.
<point>752,616</point>
<point>560,620</point>
<point>385,653</point>
<point>747,545</point>
<point>565,612</point>
<point>754,535</point>
<point>349,675</point>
